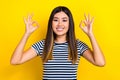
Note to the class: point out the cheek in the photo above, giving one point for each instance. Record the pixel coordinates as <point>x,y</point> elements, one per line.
<point>67,26</point>
<point>53,25</point>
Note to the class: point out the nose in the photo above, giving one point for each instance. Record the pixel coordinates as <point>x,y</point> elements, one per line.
<point>60,22</point>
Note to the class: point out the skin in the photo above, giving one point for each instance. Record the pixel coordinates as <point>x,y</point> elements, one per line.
<point>96,56</point>
<point>60,25</point>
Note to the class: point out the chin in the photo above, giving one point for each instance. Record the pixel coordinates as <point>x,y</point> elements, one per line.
<point>60,34</point>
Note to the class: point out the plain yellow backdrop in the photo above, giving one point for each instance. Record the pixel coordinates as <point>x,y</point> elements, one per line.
<point>106,28</point>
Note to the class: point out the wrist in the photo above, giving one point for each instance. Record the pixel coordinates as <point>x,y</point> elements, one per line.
<point>26,34</point>
<point>91,34</point>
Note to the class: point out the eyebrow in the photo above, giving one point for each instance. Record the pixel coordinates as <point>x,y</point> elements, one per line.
<point>62,18</point>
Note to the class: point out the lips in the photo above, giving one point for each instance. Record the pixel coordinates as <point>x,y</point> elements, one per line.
<point>59,28</point>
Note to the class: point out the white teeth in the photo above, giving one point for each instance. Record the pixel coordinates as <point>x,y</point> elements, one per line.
<point>59,28</point>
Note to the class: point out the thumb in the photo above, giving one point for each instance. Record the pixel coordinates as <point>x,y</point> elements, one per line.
<point>81,24</point>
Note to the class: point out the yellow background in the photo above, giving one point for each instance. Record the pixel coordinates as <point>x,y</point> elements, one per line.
<point>106,29</point>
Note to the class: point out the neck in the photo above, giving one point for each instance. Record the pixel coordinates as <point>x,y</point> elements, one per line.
<point>60,39</point>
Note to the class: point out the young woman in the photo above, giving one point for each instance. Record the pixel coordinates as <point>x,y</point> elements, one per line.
<point>60,51</point>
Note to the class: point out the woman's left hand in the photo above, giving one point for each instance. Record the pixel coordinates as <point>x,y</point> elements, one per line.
<point>88,25</point>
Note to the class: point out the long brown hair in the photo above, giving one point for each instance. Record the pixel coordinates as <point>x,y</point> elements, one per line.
<point>50,37</point>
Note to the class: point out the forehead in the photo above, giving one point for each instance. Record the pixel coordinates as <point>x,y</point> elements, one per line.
<point>60,15</point>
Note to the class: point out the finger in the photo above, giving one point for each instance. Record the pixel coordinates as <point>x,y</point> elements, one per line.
<point>92,20</point>
<point>85,22</point>
<point>85,17</point>
<point>81,24</point>
<point>30,17</point>
<point>35,23</point>
<point>88,17</point>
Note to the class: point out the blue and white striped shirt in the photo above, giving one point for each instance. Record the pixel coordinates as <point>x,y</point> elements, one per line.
<point>60,67</point>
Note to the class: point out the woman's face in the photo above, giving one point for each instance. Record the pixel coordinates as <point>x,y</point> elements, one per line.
<point>60,24</point>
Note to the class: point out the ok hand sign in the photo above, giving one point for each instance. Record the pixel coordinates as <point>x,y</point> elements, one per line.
<point>29,24</point>
<point>88,24</point>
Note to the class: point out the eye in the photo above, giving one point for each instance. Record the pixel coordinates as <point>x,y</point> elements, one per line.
<point>64,20</point>
<point>55,20</point>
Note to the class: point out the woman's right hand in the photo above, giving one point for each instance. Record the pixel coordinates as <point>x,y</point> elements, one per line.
<point>30,25</point>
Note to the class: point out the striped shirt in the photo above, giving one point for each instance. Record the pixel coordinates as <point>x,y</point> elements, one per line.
<point>60,67</point>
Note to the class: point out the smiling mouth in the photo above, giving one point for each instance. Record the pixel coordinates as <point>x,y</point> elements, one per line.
<point>59,29</point>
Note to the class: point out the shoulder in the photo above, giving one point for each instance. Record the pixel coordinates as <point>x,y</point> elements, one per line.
<point>42,41</point>
<point>38,46</point>
<point>79,42</point>
<point>81,46</point>
<point>39,43</point>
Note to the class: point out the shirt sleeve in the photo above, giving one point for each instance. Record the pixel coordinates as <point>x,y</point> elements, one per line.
<point>38,47</point>
<point>82,47</point>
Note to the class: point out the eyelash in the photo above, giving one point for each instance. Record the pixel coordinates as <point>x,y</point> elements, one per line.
<point>55,20</point>
<point>62,20</point>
